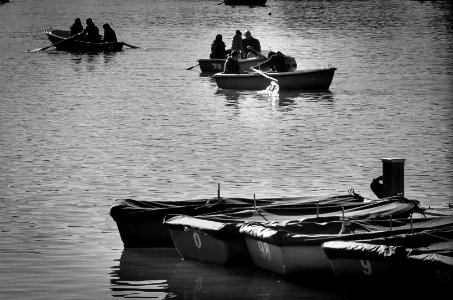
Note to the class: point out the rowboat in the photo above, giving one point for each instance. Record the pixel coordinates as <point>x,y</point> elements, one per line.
<point>423,260</point>
<point>140,223</point>
<point>211,65</point>
<point>57,38</point>
<point>245,2</point>
<point>217,238</point>
<point>310,79</point>
<point>295,248</point>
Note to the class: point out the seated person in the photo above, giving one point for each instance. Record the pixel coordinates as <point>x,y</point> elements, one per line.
<point>232,63</point>
<point>275,62</point>
<point>250,41</point>
<point>91,32</point>
<point>109,34</point>
<point>218,48</point>
<point>76,28</point>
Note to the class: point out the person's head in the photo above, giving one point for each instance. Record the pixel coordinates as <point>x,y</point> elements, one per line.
<point>218,37</point>
<point>78,21</point>
<point>235,54</point>
<point>271,53</point>
<point>89,21</point>
<point>248,34</point>
<point>238,32</point>
<point>106,26</point>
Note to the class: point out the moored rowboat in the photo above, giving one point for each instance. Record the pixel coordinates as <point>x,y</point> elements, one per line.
<point>57,38</point>
<point>140,223</point>
<point>312,79</point>
<point>216,238</point>
<point>295,248</point>
<point>423,259</point>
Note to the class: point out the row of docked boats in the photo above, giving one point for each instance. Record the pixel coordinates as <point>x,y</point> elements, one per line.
<point>346,236</point>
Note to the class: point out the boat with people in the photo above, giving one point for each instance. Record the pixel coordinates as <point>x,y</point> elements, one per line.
<point>217,238</point>
<point>140,223</point>
<point>309,79</point>
<point>61,40</point>
<point>213,65</point>
<point>423,260</point>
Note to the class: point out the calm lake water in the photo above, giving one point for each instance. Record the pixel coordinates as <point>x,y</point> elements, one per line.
<point>80,130</point>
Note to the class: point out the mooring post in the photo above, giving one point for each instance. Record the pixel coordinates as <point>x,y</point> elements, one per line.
<point>393,177</point>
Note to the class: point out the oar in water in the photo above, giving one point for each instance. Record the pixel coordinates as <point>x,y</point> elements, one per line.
<point>264,74</point>
<point>190,68</point>
<point>274,82</point>
<point>133,47</point>
<point>44,48</point>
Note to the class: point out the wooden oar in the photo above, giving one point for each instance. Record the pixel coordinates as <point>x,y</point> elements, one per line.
<point>263,74</point>
<point>190,68</point>
<point>44,48</point>
<point>133,47</point>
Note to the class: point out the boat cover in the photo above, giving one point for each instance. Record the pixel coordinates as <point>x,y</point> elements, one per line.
<point>309,233</point>
<point>433,245</point>
<point>128,209</point>
<point>227,225</point>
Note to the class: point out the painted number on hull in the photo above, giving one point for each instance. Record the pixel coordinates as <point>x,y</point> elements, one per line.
<point>217,66</point>
<point>366,265</point>
<point>197,240</point>
<point>264,250</point>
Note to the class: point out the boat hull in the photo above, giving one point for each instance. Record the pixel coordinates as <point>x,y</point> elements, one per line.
<point>214,65</point>
<point>57,37</point>
<point>422,259</point>
<point>317,79</point>
<point>199,246</point>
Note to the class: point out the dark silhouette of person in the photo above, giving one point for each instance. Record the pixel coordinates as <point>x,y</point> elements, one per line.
<point>91,32</point>
<point>275,61</point>
<point>218,48</point>
<point>232,63</point>
<point>250,41</point>
<point>109,34</point>
<point>76,28</point>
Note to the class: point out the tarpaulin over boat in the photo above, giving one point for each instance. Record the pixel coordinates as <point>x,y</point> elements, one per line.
<point>140,223</point>
<point>220,230</point>
<point>308,233</point>
<point>431,244</point>
<point>132,209</point>
<point>226,225</point>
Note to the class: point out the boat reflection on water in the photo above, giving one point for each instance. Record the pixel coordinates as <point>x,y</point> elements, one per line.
<point>160,273</point>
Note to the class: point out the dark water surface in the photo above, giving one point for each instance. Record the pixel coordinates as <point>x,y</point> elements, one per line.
<point>80,130</point>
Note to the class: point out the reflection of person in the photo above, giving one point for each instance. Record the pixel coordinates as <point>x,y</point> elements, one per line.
<point>76,28</point>
<point>275,61</point>
<point>237,43</point>
<point>91,32</point>
<point>232,63</point>
<point>109,34</point>
<point>218,48</point>
<point>250,41</point>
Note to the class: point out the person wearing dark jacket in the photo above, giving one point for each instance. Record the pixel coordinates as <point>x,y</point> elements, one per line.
<point>232,63</point>
<point>250,41</point>
<point>91,32</point>
<point>109,34</point>
<point>76,28</point>
<point>218,48</point>
<point>275,62</point>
